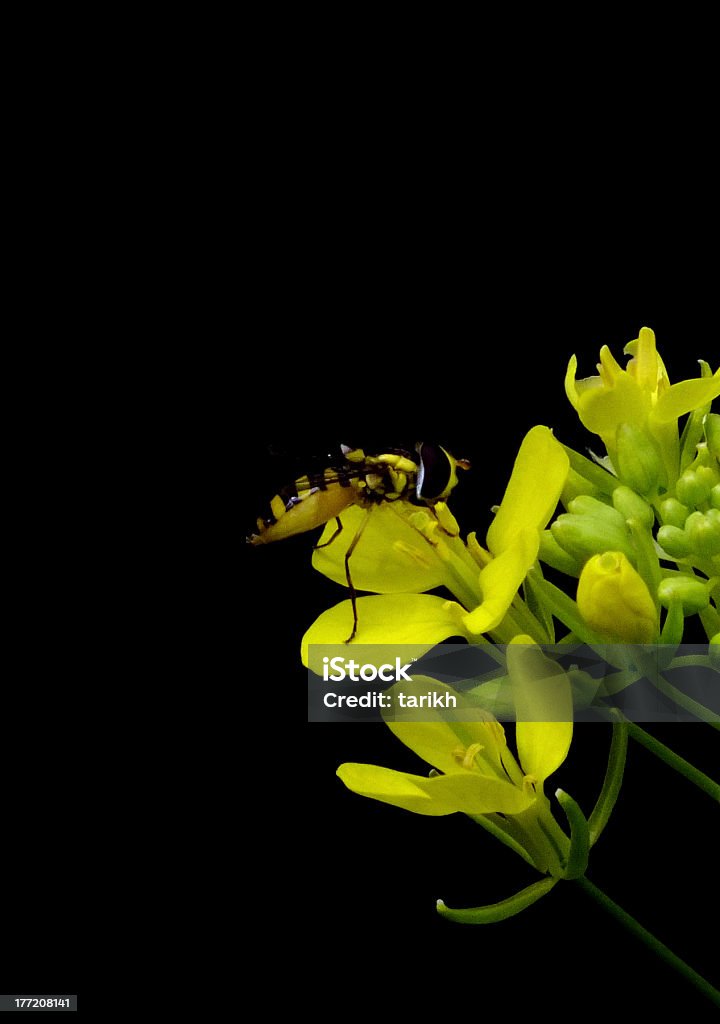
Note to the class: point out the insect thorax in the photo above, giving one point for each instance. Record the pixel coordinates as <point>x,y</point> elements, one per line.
<point>389,476</point>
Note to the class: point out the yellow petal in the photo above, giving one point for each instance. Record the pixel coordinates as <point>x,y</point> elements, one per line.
<point>534,489</point>
<point>685,396</point>
<point>500,580</point>
<point>420,619</point>
<point>610,369</point>
<point>603,409</point>
<point>443,743</point>
<point>391,556</point>
<point>442,794</point>
<point>543,708</point>
<point>571,389</point>
<point>645,364</point>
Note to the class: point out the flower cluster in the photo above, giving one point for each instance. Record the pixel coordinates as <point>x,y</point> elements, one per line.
<point>637,542</point>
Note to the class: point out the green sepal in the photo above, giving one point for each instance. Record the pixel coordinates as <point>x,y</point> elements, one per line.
<point>500,828</point>
<point>579,852</point>
<point>612,782</point>
<point>492,912</point>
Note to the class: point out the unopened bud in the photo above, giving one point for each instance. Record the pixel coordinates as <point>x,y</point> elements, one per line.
<point>703,532</point>
<point>583,536</point>
<point>691,489</point>
<point>631,506</point>
<point>708,476</point>
<point>638,459</point>
<point>691,592</point>
<point>552,554</point>
<point>673,512</point>
<point>586,505</point>
<point>674,541</point>
<point>614,600</point>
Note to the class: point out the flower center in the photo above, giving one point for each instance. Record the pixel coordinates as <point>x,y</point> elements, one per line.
<point>466,755</point>
<point>529,783</point>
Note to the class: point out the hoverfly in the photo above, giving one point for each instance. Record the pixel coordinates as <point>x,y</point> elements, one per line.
<point>424,476</point>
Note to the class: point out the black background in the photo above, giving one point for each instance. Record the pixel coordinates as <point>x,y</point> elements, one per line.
<point>381,354</point>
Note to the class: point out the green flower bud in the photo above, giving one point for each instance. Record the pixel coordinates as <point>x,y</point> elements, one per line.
<point>585,505</point>
<point>614,600</point>
<point>673,513</point>
<point>691,489</point>
<point>691,591</point>
<point>703,532</point>
<point>708,476</point>
<point>583,536</point>
<point>638,459</point>
<point>674,541</point>
<point>712,433</point>
<point>631,506</point>
<point>715,496</point>
<point>552,554</point>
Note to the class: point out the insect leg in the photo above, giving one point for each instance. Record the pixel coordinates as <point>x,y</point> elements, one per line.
<point>351,588</point>
<point>337,533</point>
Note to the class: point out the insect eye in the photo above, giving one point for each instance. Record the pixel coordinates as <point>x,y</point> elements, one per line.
<point>435,471</point>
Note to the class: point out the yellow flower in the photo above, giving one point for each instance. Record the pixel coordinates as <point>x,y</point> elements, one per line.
<point>407,550</point>
<point>614,600</point>
<point>639,397</point>
<point>479,774</point>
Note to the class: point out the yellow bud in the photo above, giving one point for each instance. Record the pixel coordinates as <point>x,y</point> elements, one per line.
<point>614,600</point>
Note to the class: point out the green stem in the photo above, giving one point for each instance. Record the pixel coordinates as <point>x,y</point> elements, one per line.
<point>669,756</point>
<point>690,661</point>
<point>531,625</point>
<point>650,940</point>
<point>682,699</point>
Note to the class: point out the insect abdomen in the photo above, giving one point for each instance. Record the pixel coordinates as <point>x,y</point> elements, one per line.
<point>304,513</point>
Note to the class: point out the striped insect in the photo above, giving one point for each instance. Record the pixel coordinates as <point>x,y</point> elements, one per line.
<point>423,477</point>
